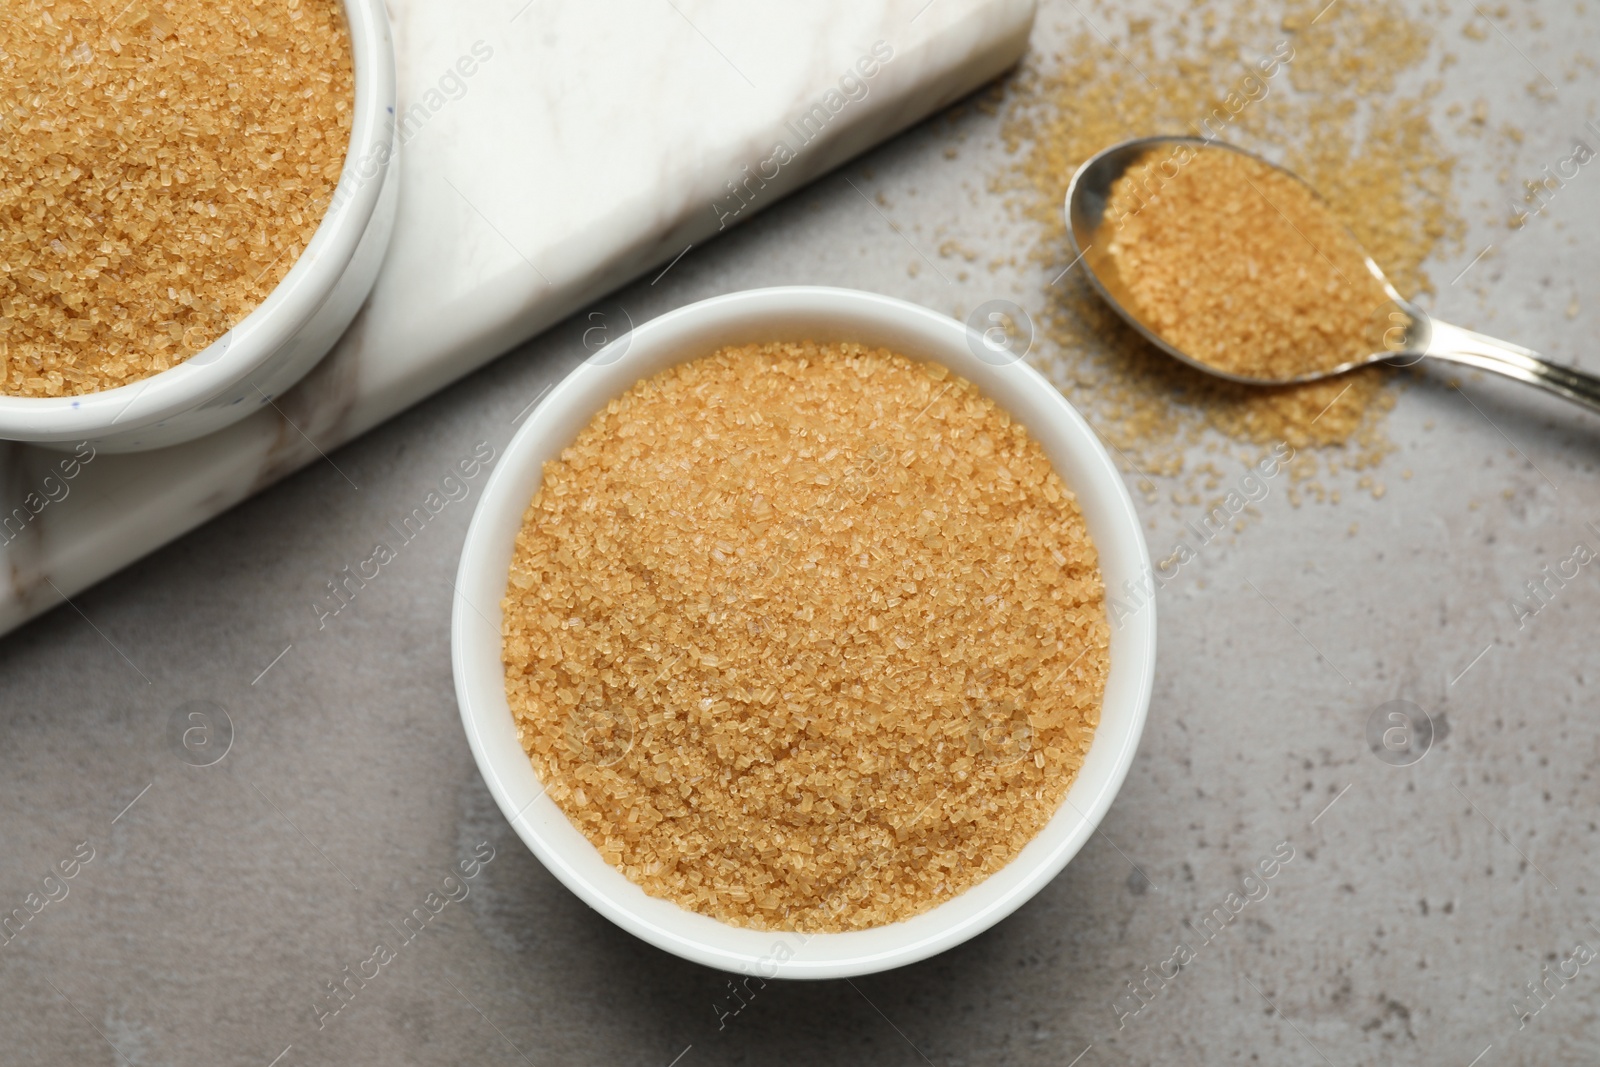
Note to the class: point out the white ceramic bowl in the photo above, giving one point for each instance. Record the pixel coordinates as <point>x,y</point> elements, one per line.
<point>795,313</point>
<point>281,340</point>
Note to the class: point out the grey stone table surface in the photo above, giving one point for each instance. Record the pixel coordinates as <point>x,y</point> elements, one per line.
<point>211,907</point>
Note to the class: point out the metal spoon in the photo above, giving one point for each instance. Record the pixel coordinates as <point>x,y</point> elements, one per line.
<point>1407,332</point>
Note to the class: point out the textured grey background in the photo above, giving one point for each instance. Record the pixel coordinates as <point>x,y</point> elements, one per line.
<point>219,904</point>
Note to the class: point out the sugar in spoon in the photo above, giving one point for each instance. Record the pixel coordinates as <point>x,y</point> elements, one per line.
<point>1405,333</point>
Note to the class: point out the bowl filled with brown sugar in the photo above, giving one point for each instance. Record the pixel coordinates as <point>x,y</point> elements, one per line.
<point>783,638</point>
<point>195,198</point>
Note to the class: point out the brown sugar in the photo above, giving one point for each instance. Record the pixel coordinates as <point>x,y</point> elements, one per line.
<point>162,165</point>
<point>1239,265</point>
<point>1346,107</point>
<point>805,636</point>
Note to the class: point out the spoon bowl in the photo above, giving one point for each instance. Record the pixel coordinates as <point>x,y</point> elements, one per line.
<point>1401,333</point>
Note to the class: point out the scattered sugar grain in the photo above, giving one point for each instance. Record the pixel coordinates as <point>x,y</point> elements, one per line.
<point>1375,156</point>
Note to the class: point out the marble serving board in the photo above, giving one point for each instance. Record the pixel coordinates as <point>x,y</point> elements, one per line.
<point>551,152</point>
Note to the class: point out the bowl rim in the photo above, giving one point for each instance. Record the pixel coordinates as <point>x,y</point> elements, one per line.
<point>476,648</point>
<point>256,338</point>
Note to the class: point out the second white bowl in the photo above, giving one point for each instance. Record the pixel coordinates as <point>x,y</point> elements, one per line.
<point>300,320</point>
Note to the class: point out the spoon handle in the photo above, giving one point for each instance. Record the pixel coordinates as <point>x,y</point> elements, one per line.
<point>1485,353</point>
